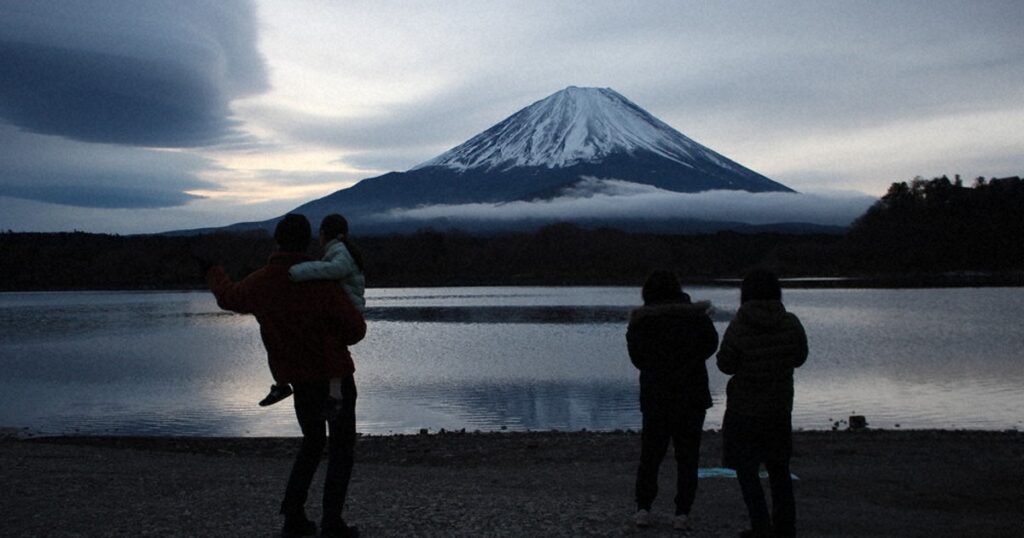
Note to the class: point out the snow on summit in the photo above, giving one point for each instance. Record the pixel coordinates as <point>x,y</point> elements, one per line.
<point>572,126</point>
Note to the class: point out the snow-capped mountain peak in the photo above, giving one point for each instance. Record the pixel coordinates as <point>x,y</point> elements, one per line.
<point>572,126</point>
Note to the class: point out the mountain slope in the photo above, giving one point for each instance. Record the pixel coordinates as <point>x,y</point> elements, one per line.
<point>573,126</point>
<point>543,150</point>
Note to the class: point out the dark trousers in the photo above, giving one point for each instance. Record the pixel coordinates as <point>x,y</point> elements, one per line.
<point>783,518</point>
<point>750,441</point>
<point>683,429</point>
<point>310,401</point>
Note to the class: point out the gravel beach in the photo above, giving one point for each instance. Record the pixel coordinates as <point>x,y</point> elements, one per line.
<point>865,483</point>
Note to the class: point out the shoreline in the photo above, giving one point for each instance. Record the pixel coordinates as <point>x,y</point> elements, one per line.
<point>851,483</point>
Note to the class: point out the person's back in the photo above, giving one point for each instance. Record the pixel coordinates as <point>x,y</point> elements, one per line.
<point>669,342</point>
<point>302,329</point>
<point>338,264</point>
<point>760,349</point>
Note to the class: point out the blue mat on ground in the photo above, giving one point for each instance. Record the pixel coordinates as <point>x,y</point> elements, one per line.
<point>722,472</point>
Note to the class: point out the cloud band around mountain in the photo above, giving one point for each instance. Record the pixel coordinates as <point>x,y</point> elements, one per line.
<point>609,199</point>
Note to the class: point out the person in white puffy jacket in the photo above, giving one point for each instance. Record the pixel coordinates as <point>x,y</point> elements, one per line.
<point>342,262</point>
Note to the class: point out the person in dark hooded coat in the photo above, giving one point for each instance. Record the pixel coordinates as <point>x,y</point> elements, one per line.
<point>760,349</point>
<point>669,339</point>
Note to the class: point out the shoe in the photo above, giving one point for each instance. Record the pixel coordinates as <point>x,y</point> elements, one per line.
<point>681,522</point>
<point>642,518</point>
<point>752,533</point>
<point>295,526</point>
<point>332,409</point>
<point>277,393</point>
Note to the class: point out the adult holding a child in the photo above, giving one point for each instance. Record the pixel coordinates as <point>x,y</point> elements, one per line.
<point>306,328</point>
<point>342,263</point>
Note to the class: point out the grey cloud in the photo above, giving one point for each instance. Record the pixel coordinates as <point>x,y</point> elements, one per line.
<point>155,73</point>
<point>810,67</point>
<point>27,215</point>
<point>615,199</point>
<point>388,159</point>
<point>405,134</point>
<point>60,171</point>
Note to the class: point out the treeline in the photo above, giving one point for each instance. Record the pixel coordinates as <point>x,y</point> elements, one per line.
<point>941,225</point>
<point>564,254</point>
<point>917,230</point>
<point>559,254</point>
<point>83,261</point>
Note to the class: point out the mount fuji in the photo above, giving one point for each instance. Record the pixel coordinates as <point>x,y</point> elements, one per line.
<point>577,142</point>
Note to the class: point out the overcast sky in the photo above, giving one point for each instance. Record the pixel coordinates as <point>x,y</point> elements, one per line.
<point>124,116</point>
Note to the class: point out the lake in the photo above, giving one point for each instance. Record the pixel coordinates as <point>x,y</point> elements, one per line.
<point>495,358</point>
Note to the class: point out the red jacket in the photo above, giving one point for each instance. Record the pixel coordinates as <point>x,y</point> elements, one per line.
<point>306,326</point>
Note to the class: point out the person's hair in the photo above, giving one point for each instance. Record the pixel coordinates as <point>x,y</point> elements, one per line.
<point>293,233</point>
<point>335,226</point>
<point>661,286</point>
<point>760,285</point>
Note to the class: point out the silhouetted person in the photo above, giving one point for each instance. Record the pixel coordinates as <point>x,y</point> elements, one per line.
<point>306,328</point>
<point>342,263</point>
<point>669,340</point>
<point>760,349</point>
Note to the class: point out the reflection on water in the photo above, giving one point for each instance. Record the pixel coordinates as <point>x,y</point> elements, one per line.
<point>493,358</point>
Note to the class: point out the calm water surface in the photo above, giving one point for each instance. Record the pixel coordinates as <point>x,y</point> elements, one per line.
<point>494,358</point>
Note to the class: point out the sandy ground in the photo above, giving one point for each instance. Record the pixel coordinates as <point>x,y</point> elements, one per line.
<point>868,483</point>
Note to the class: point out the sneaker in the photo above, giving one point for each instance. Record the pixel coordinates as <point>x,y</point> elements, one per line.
<point>642,518</point>
<point>681,522</point>
<point>332,409</point>
<point>295,526</point>
<point>277,393</point>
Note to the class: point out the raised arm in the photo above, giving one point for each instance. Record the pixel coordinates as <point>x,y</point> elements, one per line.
<point>234,296</point>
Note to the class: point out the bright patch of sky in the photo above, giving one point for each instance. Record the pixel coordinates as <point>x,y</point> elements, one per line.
<point>128,117</point>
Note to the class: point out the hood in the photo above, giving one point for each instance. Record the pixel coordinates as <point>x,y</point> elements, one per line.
<point>332,247</point>
<point>685,310</point>
<point>762,313</point>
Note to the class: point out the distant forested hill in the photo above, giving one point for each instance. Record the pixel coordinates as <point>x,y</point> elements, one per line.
<point>942,225</point>
<point>916,231</point>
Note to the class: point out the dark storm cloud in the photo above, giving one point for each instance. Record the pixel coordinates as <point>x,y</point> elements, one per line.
<point>55,170</point>
<point>154,73</point>
<point>86,86</point>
